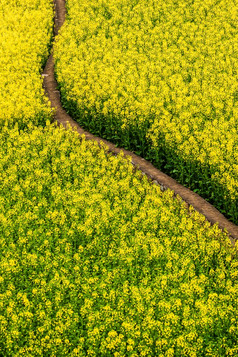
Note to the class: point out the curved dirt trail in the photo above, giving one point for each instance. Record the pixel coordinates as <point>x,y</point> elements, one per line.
<point>61,117</point>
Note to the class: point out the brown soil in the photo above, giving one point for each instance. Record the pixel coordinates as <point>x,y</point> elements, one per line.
<point>190,197</point>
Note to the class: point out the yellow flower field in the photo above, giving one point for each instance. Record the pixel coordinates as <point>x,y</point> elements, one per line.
<point>96,261</point>
<point>25,32</point>
<point>160,78</point>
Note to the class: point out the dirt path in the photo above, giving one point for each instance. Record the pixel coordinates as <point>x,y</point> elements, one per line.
<point>191,198</point>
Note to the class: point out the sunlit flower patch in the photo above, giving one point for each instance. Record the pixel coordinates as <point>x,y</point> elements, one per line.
<point>25,32</point>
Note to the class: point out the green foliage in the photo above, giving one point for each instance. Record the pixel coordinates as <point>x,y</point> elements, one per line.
<point>96,261</point>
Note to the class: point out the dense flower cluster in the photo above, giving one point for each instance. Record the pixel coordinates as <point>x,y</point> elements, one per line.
<point>96,261</point>
<point>25,32</point>
<point>159,77</point>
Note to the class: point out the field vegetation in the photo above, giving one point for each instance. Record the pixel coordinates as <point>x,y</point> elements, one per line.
<point>25,32</point>
<point>159,78</point>
<point>96,261</point>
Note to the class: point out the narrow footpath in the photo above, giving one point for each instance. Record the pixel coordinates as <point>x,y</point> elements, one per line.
<point>158,177</point>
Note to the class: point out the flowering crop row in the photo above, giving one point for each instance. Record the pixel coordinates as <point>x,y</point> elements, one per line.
<point>160,78</point>
<point>25,32</point>
<point>96,261</point>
